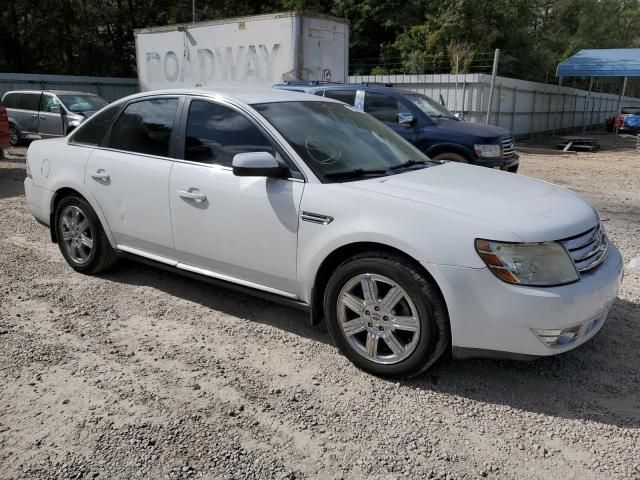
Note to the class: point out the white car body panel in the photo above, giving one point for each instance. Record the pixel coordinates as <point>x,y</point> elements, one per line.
<point>247,228</point>
<point>535,211</point>
<point>249,231</point>
<point>137,186</point>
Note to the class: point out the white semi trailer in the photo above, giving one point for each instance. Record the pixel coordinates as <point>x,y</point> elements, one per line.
<point>248,51</point>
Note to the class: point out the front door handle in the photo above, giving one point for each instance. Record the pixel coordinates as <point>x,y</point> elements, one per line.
<point>192,194</point>
<point>35,115</point>
<point>99,175</point>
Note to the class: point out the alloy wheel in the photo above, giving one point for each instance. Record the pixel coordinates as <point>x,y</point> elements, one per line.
<point>76,234</point>
<point>378,318</point>
<point>14,137</point>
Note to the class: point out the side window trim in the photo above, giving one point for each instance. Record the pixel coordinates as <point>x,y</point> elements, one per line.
<point>295,172</point>
<point>106,140</point>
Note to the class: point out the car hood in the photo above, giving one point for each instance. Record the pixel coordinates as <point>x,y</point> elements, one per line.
<point>533,210</point>
<point>470,128</point>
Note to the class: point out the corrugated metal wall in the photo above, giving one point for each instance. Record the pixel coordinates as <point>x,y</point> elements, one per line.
<point>519,106</point>
<point>109,88</point>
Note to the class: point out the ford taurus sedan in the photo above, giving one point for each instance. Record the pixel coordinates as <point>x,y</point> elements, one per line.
<point>302,199</point>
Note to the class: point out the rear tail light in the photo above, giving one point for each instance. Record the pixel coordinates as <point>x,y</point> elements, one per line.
<point>28,170</point>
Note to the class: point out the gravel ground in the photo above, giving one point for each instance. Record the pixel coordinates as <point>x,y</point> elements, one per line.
<point>139,373</point>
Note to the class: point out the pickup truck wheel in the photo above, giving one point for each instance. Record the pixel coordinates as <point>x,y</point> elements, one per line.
<point>81,239</point>
<point>14,136</point>
<point>385,316</point>
<point>451,157</point>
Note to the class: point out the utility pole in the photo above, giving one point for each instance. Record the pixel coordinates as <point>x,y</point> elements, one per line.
<point>193,10</point>
<point>494,72</point>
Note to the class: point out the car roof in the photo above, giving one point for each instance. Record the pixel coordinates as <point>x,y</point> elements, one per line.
<point>343,86</point>
<point>54,92</point>
<point>246,95</point>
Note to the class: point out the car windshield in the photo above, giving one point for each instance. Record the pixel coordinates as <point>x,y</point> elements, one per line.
<point>339,143</point>
<point>430,107</point>
<point>82,103</point>
<point>631,111</point>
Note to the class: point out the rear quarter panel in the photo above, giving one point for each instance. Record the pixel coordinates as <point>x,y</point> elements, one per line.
<point>55,165</point>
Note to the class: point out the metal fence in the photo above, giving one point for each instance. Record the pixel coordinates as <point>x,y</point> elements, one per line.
<point>109,88</point>
<point>522,107</point>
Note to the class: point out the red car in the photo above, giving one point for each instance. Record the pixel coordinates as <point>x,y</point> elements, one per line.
<point>627,120</point>
<point>4,130</point>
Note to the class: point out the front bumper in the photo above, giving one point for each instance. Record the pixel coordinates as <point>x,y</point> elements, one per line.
<point>509,164</point>
<point>487,314</point>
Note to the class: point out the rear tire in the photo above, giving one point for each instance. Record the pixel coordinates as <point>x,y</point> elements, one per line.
<point>451,157</point>
<point>14,136</point>
<point>399,329</point>
<point>81,238</point>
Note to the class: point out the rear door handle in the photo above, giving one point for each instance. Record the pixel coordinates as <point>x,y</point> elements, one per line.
<point>192,194</point>
<point>99,175</point>
<point>42,117</point>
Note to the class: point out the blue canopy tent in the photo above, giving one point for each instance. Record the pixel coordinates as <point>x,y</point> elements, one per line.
<point>604,62</point>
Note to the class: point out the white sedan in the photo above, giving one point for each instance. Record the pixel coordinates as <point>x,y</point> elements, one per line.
<point>301,199</point>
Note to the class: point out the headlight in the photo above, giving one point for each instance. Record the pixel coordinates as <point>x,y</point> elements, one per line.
<point>488,151</point>
<point>536,264</point>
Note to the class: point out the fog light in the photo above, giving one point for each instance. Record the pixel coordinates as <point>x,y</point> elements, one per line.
<point>554,337</point>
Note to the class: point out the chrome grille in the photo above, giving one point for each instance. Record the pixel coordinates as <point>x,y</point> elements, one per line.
<point>588,249</point>
<point>508,147</point>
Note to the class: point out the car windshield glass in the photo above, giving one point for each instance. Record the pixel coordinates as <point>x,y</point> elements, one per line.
<point>82,103</point>
<point>339,143</point>
<point>630,111</point>
<point>432,108</point>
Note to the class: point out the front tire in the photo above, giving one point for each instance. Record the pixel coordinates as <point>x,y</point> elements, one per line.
<point>81,238</point>
<point>385,316</point>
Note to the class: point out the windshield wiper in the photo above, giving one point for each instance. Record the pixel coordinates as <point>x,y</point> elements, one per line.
<point>408,164</point>
<point>355,173</point>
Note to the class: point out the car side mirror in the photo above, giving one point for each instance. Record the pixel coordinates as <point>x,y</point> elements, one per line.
<point>258,164</point>
<point>405,118</point>
<point>459,115</point>
<point>55,109</point>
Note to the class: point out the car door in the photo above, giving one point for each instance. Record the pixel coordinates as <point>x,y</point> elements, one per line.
<point>386,108</point>
<point>27,113</point>
<point>129,176</point>
<point>50,121</point>
<point>242,229</point>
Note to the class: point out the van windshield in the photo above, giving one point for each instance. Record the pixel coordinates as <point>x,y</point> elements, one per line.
<point>82,103</point>
<point>430,107</point>
<point>339,143</point>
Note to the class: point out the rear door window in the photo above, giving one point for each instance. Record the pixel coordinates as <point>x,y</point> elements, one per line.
<point>145,127</point>
<point>94,129</point>
<point>30,101</point>
<point>11,100</point>
<point>346,96</point>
